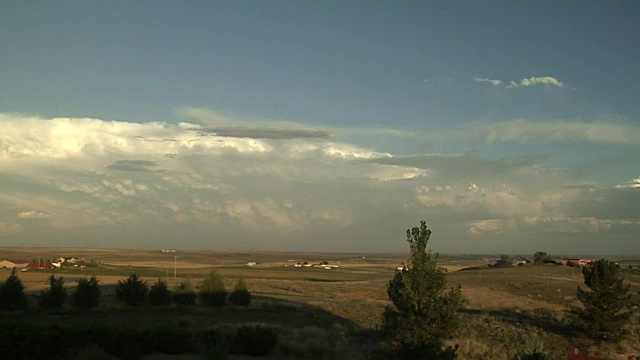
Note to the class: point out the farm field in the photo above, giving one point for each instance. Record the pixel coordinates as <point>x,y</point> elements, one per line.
<point>317,309</point>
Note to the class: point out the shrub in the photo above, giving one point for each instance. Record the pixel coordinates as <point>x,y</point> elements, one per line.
<point>132,291</point>
<point>533,349</point>
<point>159,293</point>
<point>254,341</point>
<point>185,293</point>
<point>212,290</point>
<point>240,295</point>
<point>12,295</point>
<point>213,343</point>
<point>55,296</point>
<point>87,294</point>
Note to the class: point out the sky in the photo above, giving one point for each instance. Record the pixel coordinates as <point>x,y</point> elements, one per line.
<point>509,127</point>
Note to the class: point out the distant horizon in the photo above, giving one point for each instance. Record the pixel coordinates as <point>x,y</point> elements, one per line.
<point>496,255</point>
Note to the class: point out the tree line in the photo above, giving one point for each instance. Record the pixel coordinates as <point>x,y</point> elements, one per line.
<point>132,291</point>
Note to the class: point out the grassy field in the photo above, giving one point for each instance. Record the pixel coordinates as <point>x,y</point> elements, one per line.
<point>318,309</point>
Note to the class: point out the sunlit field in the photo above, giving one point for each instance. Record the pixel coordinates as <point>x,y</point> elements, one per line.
<point>338,306</point>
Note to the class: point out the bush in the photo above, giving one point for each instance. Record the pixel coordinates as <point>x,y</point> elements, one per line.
<point>132,291</point>
<point>240,295</point>
<point>87,294</point>
<point>12,293</point>
<point>159,294</point>
<point>213,343</point>
<point>55,296</point>
<point>254,341</point>
<point>185,293</point>
<point>213,291</point>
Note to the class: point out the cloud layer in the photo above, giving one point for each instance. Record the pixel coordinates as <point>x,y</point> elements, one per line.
<point>218,182</point>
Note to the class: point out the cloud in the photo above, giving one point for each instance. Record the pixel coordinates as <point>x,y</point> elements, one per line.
<point>525,130</point>
<point>491,81</point>
<point>33,215</point>
<point>532,81</point>
<point>134,165</point>
<point>225,126</point>
<point>161,184</point>
<point>260,132</point>
<point>634,184</point>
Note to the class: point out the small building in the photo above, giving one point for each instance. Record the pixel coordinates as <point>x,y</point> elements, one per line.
<point>252,264</point>
<point>579,262</point>
<point>18,263</point>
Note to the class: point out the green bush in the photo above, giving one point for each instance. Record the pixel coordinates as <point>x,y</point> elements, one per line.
<point>12,295</point>
<point>55,296</point>
<point>159,293</point>
<point>132,291</point>
<point>185,293</point>
<point>254,341</point>
<point>212,290</point>
<point>87,294</point>
<point>213,343</point>
<point>240,295</point>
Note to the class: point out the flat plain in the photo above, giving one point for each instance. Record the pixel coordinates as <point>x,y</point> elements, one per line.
<point>318,308</point>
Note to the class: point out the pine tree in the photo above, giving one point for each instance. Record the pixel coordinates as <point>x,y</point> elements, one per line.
<point>12,295</point>
<point>55,296</point>
<point>607,305</point>
<point>424,311</point>
<point>87,294</point>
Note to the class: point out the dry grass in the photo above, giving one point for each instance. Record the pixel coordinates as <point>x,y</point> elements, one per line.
<point>504,307</point>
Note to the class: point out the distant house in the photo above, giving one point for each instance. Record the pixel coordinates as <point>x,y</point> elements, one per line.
<point>6,264</point>
<point>577,262</point>
<point>252,264</point>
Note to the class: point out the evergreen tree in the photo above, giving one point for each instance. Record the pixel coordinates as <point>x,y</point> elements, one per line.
<point>87,294</point>
<point>132,291</point>
<point>12,295</point>
<point>424,311</point>
<point>159,293</point>
<point>240,295</point>
<point>607,305</point>
<point>55,296</point>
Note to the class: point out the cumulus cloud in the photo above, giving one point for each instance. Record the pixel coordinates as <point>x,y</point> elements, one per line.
<point>163,184</point>
<point>533,81</point>
<point>493,82</point>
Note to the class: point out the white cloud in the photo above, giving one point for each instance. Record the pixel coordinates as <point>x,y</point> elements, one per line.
<point>287,192</point>
<point>635,184</point>
<point>532,81</point>
<point>493,82</point>
<point>33,215</point>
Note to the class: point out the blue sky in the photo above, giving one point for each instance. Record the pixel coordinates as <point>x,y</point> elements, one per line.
<point>509,127</point>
